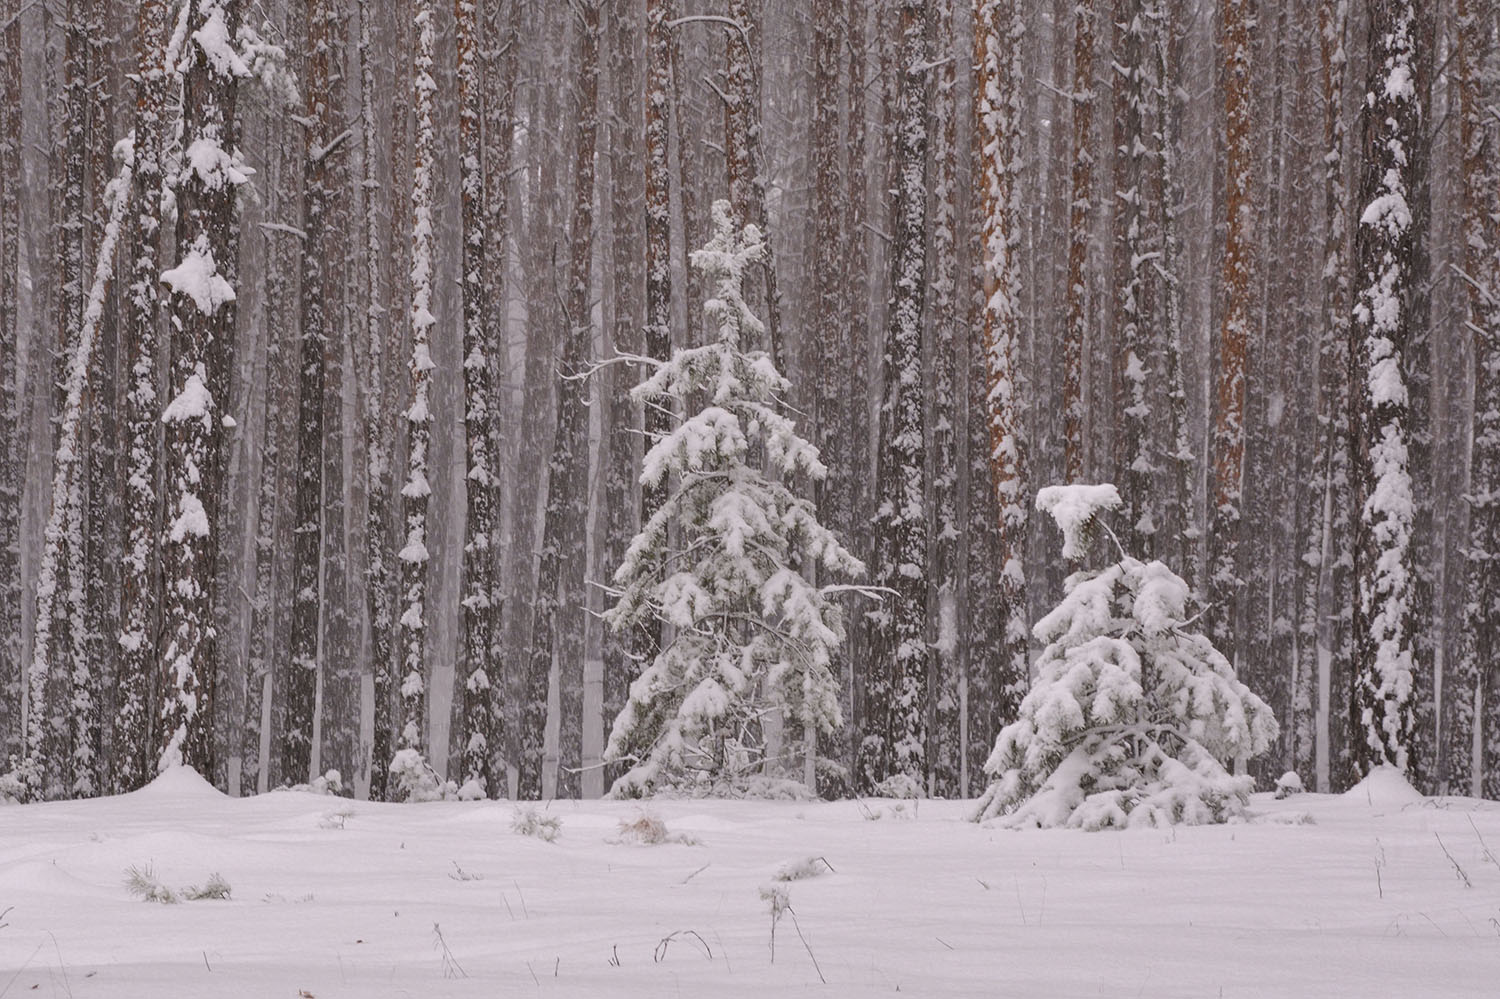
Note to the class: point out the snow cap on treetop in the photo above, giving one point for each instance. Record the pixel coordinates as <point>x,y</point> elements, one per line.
<point>1073,508</point>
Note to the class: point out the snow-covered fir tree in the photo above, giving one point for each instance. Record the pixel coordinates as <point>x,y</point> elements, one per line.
<point>1132,717</point>
<point>718,562</point>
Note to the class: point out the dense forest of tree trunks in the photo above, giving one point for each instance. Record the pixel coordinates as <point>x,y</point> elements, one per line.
<point>1017,242</point>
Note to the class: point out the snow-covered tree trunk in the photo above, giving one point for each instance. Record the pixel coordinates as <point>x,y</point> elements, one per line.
<point>382,546</point>
<point>1228,437</point>
<point>537,410</point>
<point>322,72</point>
<point>66,633</point>
<point>832,355</point>
<point>101,487</point>
<point>999,90</point>
<point>202,313</point>
<point>1383,247</point>
<point>140,591</point>
<point>1166,54</point>
<point>62,739</point>
<point>941,696</point>
<point>339,660</point>
<point>1080,309</point>
<point>414,553</point>
<point>658,215</point>
<point>744,152</point>
<point>561,608</point>
<point>481,601</point>
<point>850,486</point>
<point>501,37</point>
<point>270,628</point>
<point>894,729</point>
<point>1135,287</point>
<point>12,446</point>
<point>1417,362</point>
<point>1326,537</point>
<point>658,250</point>
<point>1469,686</point>
<point>628,221</point>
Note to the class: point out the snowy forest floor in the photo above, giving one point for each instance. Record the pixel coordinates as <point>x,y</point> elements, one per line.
<point>1315,896</point>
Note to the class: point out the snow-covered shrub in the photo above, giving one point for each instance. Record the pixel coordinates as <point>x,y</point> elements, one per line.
<point>902,785</point>
<point>143,883</point>
<point>215,888</point>
<point>1288,784</point>
<point>1132,716</point>
<point>12,786</point>
<point>413,779</point>
<point>723,565</point>
<point>528,821</point>
<point>648,829</point>
<point>331,782</point>
<point>802,869</point>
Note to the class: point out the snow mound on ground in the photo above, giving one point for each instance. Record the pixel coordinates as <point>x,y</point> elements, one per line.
<point>1385,786</point>
<point>46,880</point>
<point>180,782</point>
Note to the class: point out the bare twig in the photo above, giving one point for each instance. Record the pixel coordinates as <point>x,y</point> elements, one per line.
<point>797,926</point>
<point>660,953</point>
<point>1462,874</point>
<point>1489,856</point>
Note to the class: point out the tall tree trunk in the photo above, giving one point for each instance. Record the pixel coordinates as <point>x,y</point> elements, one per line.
<point>322,112</point>
<point>999,35</point>
<point>102,542</point>
<point>630,220</point>
<point>941,696</point>
<point>1228,443</point>
<point>1326,596</point>
<point>895,734</point>
<point>202,312</point>
<point>1384,241</point>
<point>1469,688</point>
<point>140,593</point>
<point>12,444</point>
<point>414,553</point>
<point>562,600</point>
<point>1080,308</point>
<point>481,601</point>
<point>745,156</point>
<point>1133,280</point>
<point>500,36</point>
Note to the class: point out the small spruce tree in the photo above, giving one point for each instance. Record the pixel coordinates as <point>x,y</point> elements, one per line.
<point>721,563</point>
<point>1132,716</point>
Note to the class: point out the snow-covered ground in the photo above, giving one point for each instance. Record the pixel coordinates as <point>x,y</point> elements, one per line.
<point>1316,896</point>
